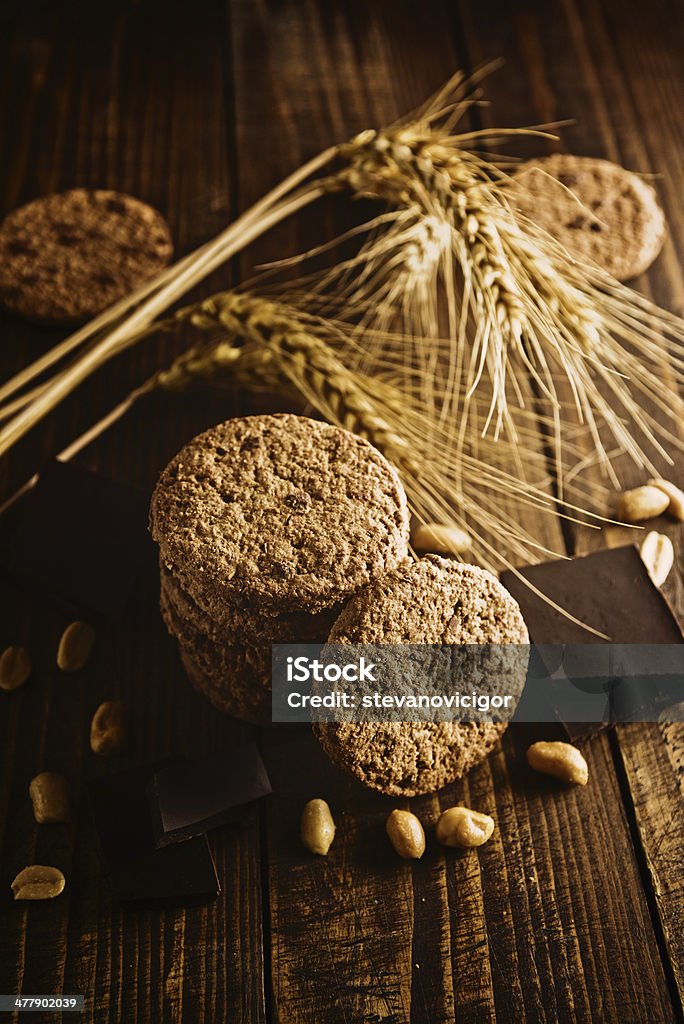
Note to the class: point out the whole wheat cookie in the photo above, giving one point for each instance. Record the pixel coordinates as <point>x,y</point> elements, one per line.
<point>226,625</point>
<point>235,665</point>
<point>66,257</point>
<point>222,695</point>
<point>596,209</point>
<point>279,514</point>
<point>236,678</point>
<point>431,601</point>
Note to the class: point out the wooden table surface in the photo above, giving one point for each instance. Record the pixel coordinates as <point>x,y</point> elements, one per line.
<point>575,909</point>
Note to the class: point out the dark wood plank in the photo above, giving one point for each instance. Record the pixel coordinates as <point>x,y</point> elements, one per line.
<point>609,101</point>
<point>130,97</point>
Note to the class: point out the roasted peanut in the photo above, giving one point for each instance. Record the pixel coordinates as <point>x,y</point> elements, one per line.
<point>75,646</point>
<point>15,668</point>
<point>107,729</point>
<point>51,798</point>
<point>642,503</point>
<point>441,539</point>
<point>657,554</point>
<point>561,760</point>
<point>406,834</point>
<point>317,827</point>
<point>38,882</point>
<point>676,496</point>
<point>459,826</point>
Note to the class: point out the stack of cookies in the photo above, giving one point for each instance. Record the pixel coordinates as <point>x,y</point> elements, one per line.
<point>267,526</point>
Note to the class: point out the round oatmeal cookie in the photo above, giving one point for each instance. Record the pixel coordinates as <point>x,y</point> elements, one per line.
<point>596,209</point>
<point>431,601</point>
<point>66,257</point>
<point>279,513</point>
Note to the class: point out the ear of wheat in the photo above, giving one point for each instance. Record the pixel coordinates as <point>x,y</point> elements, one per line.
<point>479,301</point>
<point>474,489</point>
<point>249,341</point>
<point>489,302</point>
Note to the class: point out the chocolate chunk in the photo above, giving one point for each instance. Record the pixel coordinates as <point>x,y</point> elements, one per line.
<point>180,875</point>
<point>642,698</point>
<point>610,591</point>
<point>189,796</point>
<point>79,536</point>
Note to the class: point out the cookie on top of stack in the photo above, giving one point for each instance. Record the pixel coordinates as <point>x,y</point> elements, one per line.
<point>266,526</point>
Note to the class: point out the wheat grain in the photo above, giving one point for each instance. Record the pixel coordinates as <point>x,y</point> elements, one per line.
<point>516,309</point>
<point>566,325</point>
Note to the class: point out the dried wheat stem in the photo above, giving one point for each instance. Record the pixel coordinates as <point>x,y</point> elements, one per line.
<point>300,356</point>
<point>523,303</point>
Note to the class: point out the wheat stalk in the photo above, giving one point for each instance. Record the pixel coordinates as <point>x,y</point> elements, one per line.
<point>264,343</point>
<point>315,356</point>
<point>271,340</point>
<point>522,307</point>
<point>515,307</point>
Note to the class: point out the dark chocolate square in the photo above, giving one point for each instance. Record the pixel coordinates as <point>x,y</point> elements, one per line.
<point>142,875</point>
<point>78,536</point>
<point>608,590</point>
<point>189,796</point>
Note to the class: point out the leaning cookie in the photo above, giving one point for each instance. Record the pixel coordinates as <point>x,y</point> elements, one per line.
<point>278,513</point>
<point>66,257</point>
<point>431,601</point>
<point>596,209</point>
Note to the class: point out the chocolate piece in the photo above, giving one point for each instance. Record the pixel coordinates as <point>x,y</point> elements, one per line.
<point>142,875</point>
<point>192,795</point>
<point>611,592</point>
<point>79,536</point>
<point>578,732</point>
<point>643,698</point>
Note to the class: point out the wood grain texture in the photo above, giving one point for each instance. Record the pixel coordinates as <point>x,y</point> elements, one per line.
<point>131,97</point>
<point>594,39</point>
<point>574,911</point>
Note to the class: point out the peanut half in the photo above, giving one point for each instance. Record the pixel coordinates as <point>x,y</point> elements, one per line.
<point>459,826</point>
<point>75,646</point>
<point>38,882</point>
<point>642,503</point>
<point>15,668</point>
<point>107,729</point>
<point>317,827</point>
<point>406,834</point>
<point>657,554</point>
<point>441,539</point>
<point>676,496</point>
<point>51,798</point>
<point>561,760</point>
